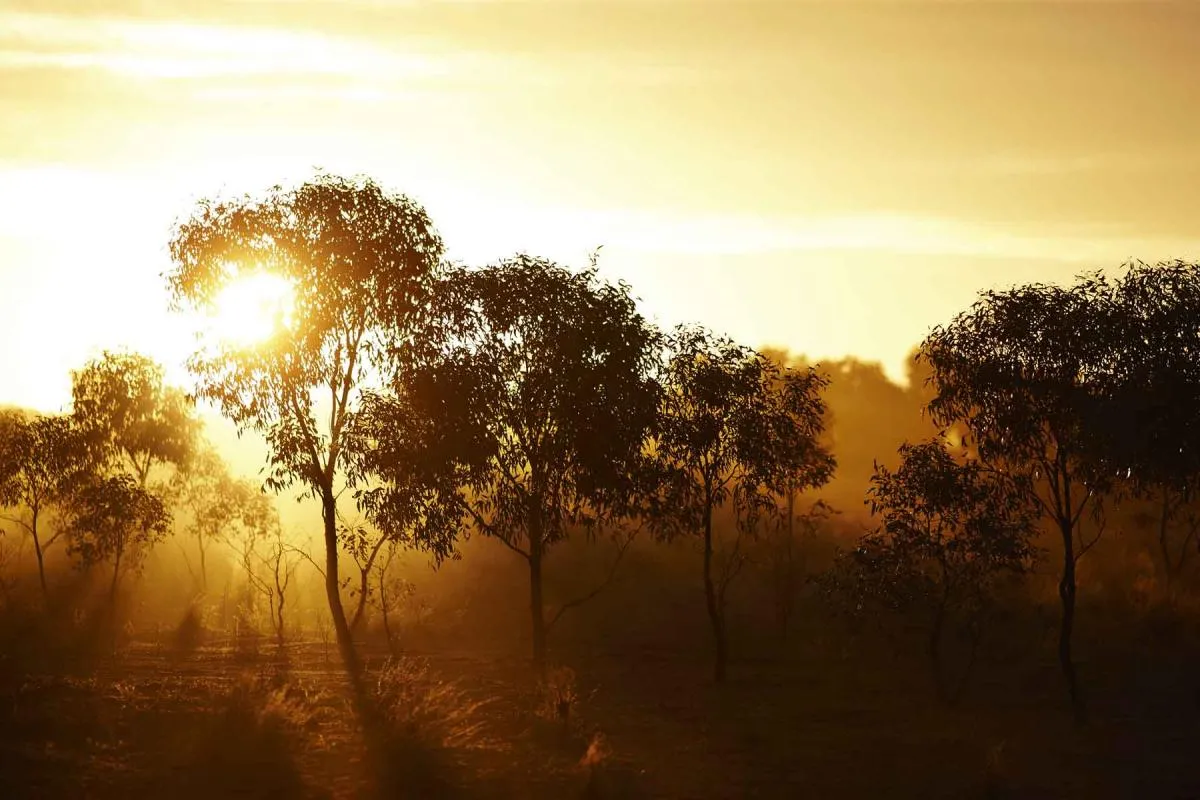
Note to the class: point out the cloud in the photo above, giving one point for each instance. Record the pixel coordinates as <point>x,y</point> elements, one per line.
<point>494,231</point>
<point>171,49</point>
<point>180,49</point>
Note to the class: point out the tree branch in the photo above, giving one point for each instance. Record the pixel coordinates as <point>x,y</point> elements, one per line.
<point>608,579</point>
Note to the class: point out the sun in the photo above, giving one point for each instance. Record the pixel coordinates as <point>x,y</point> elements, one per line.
<point>252,309</point>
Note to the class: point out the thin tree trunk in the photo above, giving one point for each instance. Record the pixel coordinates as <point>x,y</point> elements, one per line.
<point>1066,593</point>
<point>203,564</point>
<point>37,549</point>
<point>112,591</point>
<point>537,617</point>
<point>333,595</point>
<point>383,608</point>
<point>715,611</point>
<point>364,586</point>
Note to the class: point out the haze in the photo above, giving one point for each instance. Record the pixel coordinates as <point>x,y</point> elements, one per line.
<point>829,177</point>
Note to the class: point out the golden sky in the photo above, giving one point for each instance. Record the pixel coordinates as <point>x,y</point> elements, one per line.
<point>833,177</point>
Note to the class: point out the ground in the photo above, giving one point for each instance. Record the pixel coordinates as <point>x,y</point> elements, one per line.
<point>149,723</point>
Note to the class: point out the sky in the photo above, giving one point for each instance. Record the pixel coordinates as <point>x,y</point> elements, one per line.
<point>830,177</point>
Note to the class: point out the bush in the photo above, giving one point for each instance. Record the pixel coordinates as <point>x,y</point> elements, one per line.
<point>426,722</point>
<point>248,748</point>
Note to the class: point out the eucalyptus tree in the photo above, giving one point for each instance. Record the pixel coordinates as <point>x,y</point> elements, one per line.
<point>1027,371</point>
<point>735,430</point>
<point>359,261</point>
<point>41,458</point>
<point>521,413</point>
<point>1154,387</point>
<point>950,530</point>
<point>213,500</point>
<point>132,419</point>
<point>113,519</point>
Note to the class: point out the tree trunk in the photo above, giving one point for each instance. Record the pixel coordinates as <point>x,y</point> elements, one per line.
<point>536,608</point>
<point>37,550</point>
<point>383,608</point>
<point>203,565</point>
<point>536,605</point>
<point>112,591</point>
<point>1066,593</point>
<point>716,614</point>
<point>279,621</point>
<point>333,595</point>
<point>364,587</point>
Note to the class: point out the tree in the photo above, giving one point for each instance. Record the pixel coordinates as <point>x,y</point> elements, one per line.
<point>785,556</point>
<point>114,519</point>
<point>392,591</point>
<point>278,566</point>
<point>40,457</point>
<point>1154,385</point>
<point>131,418</point>
<point>249,519</point>
<point>359,261</point>
<point>1024,371</point>
<point>216,503</point>
<point>522,411</point>
<point>950,531</point>
<point>735,430</point>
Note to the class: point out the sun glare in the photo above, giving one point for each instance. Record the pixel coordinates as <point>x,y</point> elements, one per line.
<point>253,308</point>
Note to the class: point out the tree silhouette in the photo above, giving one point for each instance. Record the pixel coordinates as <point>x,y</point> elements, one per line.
<point>522,411</point>
<point>359,261</point>
<point>40,459</point>
<point>114,519</point>
<point>734,428</point>
<point>1154,386</point>
<point>215,502</point>
<point>1024,371</point>
<point>133,421</point>
<point>949,531</point>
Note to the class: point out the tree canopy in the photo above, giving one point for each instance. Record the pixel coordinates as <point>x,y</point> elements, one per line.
<point>521,411</point>
<point>359,261</point>
<point>736,428</point>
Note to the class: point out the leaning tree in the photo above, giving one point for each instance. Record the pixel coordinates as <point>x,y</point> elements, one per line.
<point>522,413</point>
<point>735,431</point>
<point>1025,371</point>
<point>358,260</point>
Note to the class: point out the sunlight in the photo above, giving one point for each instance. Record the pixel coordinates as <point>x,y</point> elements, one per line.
<point>253,308</point>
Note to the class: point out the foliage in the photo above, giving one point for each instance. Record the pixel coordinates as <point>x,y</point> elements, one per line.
<point>1154,386</point>
<point>114,519</point>
<point>1026,371</point>
<point>42,458</point>
<point>951,524</point>
<point>358,260</point>
<point>522,410</point>
<point>950,530</point>
<point>527,399</point>
<point>221,508</point>
<point>735,428</point>
<point>132,420</point>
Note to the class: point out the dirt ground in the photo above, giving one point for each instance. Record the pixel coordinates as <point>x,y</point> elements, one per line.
<point>639,725</point>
